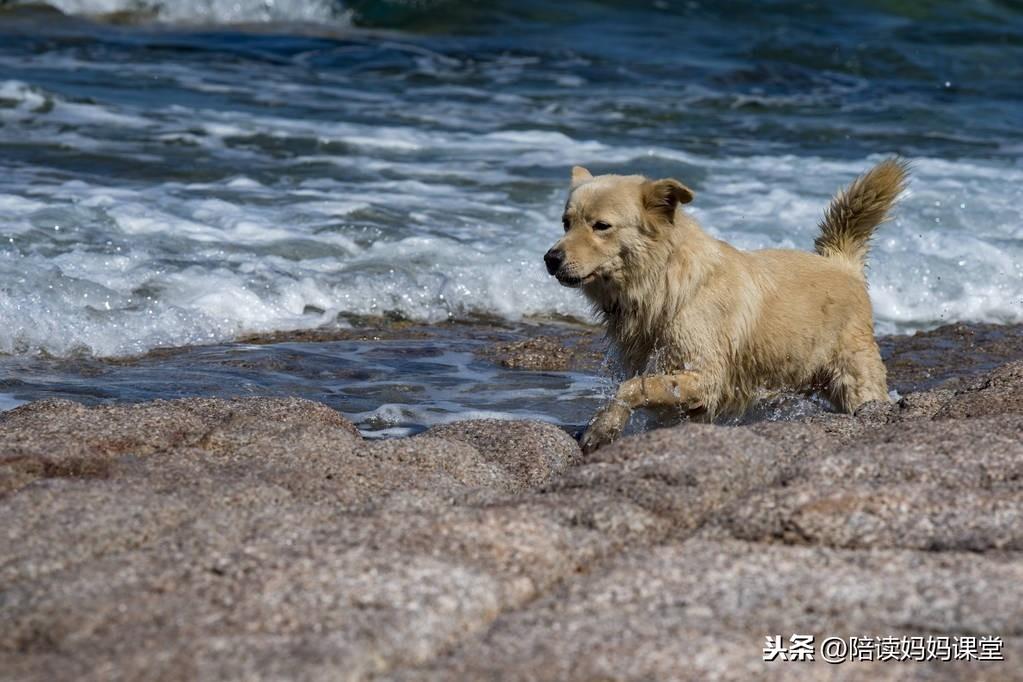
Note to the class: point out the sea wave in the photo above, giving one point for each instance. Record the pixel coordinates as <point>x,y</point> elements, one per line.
<point>458,230</point>
<point>201,11</point>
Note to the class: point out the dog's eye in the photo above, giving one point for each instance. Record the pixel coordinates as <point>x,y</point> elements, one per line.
<point>601,225</point>
<point>566,223</point>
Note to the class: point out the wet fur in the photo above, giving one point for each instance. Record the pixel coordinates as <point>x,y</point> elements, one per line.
<point>706,327</point>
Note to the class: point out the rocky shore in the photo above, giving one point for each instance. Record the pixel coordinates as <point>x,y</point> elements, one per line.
<point>265,539</point>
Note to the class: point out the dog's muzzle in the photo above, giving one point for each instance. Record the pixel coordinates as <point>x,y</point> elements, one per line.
<point>554,259</point>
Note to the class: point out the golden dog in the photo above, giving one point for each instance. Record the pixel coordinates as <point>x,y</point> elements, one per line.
<point>701,327</point>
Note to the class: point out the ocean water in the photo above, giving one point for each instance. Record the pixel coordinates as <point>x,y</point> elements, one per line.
<point>392,384</point>
<point>185,173</point>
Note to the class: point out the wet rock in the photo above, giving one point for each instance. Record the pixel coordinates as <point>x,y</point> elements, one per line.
<point>557,351</point>
<point>544,353</point>
<point>1000,392</point>
<point>947,356</point>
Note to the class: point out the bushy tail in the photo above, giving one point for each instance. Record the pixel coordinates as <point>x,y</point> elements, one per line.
<point>857,210</point>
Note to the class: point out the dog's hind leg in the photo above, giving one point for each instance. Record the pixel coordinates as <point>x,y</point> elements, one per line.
<point>858,377</point>
<point>680,391</point>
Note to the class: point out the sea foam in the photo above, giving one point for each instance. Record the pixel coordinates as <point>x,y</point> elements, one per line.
<point>205,11</point>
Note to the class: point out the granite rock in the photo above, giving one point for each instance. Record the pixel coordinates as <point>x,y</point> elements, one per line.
<point>265,539</point>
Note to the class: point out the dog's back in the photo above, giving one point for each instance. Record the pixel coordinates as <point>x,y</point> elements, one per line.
<point>815,323</point>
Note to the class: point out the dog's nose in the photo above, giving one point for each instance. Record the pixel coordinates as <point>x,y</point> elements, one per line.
<point>554,258</point>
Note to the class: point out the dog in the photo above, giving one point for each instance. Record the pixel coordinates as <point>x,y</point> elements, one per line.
<point>702,328</point>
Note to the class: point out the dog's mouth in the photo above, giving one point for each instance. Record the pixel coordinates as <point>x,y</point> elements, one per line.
<point>574,281</point>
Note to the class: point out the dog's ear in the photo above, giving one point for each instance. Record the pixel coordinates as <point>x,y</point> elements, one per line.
<point>580,175</point>
<point>663,196</point>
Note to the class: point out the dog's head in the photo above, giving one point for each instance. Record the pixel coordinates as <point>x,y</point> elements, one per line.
<point>609,220</point>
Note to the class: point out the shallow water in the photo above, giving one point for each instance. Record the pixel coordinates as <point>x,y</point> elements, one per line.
<point>179,179</point>
<point>398,380</point>
<point>388,385</point>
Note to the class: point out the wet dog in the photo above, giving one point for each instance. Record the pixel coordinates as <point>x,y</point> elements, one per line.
<point>701,327</point>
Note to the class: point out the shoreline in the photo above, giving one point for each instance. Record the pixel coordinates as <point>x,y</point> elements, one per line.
<point>919,359</point>
<point>399,379</point>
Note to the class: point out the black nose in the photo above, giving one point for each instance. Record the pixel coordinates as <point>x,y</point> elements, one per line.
<point>554,258</point>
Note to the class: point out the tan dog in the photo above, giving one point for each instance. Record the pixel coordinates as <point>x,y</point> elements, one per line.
<point>702,327</point>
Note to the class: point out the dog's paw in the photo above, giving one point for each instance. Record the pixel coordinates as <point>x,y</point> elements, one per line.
<point>605,427</point>
<point>591,440</point>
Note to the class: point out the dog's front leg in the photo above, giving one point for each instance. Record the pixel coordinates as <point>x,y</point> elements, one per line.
<point>657,391</point>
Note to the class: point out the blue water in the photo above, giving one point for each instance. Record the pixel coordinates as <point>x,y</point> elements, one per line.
<point>175,174</point>
<point>391,384</point>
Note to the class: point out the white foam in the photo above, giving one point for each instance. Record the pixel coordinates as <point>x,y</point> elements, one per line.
<point>9,402</point>
<point>428,222</point>
<point>24,102</point>
<point>206,11</point>
<point>20,96</point>
<point>387,419</point>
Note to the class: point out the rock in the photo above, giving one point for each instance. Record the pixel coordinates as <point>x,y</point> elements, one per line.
<point>1000,392</point>
<point>949,355</point>
<point>558,350</point>
<point>265,539</point>
<point>701,609</point>
<point>532,452</point>
<point>682,473</point>
<point>59,438</point>
<point>265,535</point>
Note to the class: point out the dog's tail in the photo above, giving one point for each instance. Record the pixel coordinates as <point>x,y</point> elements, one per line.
<point>856,211</point>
